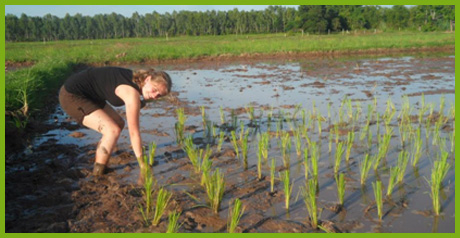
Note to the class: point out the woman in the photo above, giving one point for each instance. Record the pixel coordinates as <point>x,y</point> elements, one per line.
<point>83,97</point>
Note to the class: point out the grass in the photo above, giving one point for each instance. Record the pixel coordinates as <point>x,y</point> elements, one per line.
<point>377,186</point>
<point>215,187</point>
<point>235,215</point>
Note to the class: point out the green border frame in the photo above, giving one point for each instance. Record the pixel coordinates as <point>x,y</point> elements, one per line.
<point>181,2</point>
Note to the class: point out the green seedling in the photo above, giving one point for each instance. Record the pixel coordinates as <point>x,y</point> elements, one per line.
<point>272,175</point>
<point>364,168</point>
<point>341,188</point>
<point>235,144</point>
<point>152,149</point>
<point>377,186</point>
<point>222,115</point>
<point>298,142</point>
<point>235,215</point>
<point>417,149</point>
<point>215,187</point>
<point>330,140</point>
<point>148,190</point>
<point>173,225</point>
<point>438,173</point>
<point>452,139</point>
<point>309,195</point>
<point>314,155</point>
<point>163,199</point>
<point>233,119</point>
<point>250,112</point>
<point>350,142</point>
<point>265,139</point>
<point>179,126</point>
<point>193,153</point>
<point>221,140</point>
<point>206,165</point>
<point>286,149</point>
<point>305,163</point>
<point>259,160</point>
<point>394,171</point>
<point>284,177</point>
<point>244,150</point>
<point>338,157</point>
<point>403,159</point>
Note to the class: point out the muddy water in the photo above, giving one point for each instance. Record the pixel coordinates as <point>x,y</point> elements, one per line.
<point>270,86</point>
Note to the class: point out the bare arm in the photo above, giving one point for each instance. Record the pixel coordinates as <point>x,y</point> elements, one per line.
<point>131,98</point>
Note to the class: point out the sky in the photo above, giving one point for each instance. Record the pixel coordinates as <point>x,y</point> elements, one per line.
<point>125,10</point>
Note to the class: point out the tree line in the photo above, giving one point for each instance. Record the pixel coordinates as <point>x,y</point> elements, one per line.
<point>314,19</point>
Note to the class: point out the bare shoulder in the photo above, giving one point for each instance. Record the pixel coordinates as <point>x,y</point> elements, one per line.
<point>127,93</point>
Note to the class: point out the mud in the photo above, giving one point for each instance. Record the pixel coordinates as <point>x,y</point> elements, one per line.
<point>49,186</point>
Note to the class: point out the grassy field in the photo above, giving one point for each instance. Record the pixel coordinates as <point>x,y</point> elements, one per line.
<point>54,61</point>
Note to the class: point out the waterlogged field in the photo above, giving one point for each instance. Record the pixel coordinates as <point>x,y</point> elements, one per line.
<point>305,145</point>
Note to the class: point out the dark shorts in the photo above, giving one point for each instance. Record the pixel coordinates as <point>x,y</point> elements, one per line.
<point>76,106</point>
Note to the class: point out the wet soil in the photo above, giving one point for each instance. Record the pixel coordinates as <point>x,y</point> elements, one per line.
<point>50,188</point>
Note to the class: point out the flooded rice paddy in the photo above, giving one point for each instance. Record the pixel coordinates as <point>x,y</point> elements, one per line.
<point>286,95</point>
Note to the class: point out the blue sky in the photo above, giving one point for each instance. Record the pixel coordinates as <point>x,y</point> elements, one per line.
<point>126,10</point>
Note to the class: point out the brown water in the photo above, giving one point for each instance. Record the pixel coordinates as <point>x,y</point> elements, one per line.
<point>110,204</point>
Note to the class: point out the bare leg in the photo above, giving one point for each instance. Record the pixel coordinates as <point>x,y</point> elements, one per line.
<point>107,122</point>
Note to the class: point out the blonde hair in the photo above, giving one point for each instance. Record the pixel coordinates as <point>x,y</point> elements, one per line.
<point>160,77</point>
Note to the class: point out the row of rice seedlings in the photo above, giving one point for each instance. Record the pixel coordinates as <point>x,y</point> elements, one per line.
<point>438,173</point>
<point>377,186</point>
<point>215,187</point>
<point>338,157</point>
<point>179,126</point>
<point>284,177</point>
<point>235,215</point>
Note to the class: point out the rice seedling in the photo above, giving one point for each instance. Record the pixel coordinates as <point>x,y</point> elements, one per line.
<point>298,142</point>
<point>220,141</point>
<point>272,175</point>
<point>215,187</point>
<point>403,159</point>
<point>162,202</point>
<point>296,110</point>
<point>305,163</point>
<point>222,115</point>
<point>233,119</point>
<point>284,177</point>
<point>250,112</point>
<point>328,112</point>
<point>192,153</point>
<point>235,144</point>
<point>244,150</point>
<point>364,167</point>
<point>364,132</point>
<point>350,142</point>
<point>235,215</point>
<point>259,160</point>
<point>286,149</point>
<point>309,195</point>
<point>338,157</point>
<point>203,116</point>
<point>369,139</point>
<point>269,119</point>
<point>417,147</point>
<point>147,192</point>
<point>330,140</point>
<point>438,173</point>
<point>377,186</point>
<point>206,165</point>
<point>394,171</point>
<point>452,139</point>
<point>179,126</point>
<point>265,139</point>
<point>314,155</point>
<point>389,114</point>
<point>442,103</point>
<point>337,135</point>
<point>319,119</point>
<point>173,225</point>
<point>152,149</point>
<point>422,110</point>
<point>340,188</point>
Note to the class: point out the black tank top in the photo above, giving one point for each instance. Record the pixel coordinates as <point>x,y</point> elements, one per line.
<point>98,84</point>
